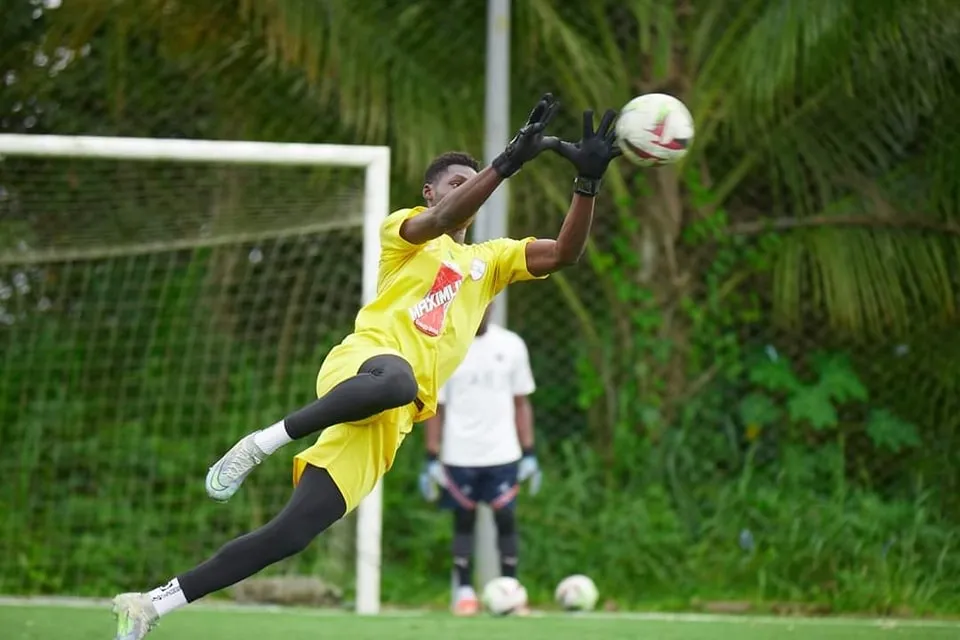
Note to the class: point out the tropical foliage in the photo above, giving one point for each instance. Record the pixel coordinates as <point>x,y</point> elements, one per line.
<point>749,387</point>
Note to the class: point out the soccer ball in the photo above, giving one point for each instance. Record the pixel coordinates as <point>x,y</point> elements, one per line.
<point>654,129</point>
<point>503,596</point>
<point>577,593</point>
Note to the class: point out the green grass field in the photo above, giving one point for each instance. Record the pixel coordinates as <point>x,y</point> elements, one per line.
<point>53,622</point>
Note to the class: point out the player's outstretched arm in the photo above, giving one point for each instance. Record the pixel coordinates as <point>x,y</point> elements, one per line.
<point>546,256</point>
<point>591,157</point>
<point>454,211</point>
<point>458,207</point>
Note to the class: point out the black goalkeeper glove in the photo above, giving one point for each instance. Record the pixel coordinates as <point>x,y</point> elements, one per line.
<point>529,140</point>
<point>592,154</point>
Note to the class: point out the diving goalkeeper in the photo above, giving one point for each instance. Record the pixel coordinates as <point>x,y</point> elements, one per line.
<point>432,290</point>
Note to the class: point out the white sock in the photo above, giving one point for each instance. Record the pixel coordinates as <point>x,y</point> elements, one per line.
<point>167,598</point>
<point>272,438</point>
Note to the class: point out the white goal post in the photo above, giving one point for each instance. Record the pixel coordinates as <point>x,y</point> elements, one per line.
<point>374,160</point>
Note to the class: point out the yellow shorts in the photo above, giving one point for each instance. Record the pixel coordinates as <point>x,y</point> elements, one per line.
<point>356,454</point>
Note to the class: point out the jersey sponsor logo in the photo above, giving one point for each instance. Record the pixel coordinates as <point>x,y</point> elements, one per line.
<point>430,313</point>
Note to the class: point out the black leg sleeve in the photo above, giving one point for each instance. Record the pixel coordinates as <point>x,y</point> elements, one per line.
<point>464,521</point>
<point>383,382</point>
<point>508,541</point>
<point>315,505</point>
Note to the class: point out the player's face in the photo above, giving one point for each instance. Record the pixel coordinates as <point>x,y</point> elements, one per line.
<point>453,177</point>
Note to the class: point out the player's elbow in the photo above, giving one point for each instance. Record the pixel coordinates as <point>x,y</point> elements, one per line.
<point>567,256</point>
<point>543,264</point>
<point>447,220</point>
<point>421,229</point>
<point>568,261</point>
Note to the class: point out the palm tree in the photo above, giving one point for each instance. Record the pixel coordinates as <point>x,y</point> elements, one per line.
<point>823,128</point>
<point>821,196</point>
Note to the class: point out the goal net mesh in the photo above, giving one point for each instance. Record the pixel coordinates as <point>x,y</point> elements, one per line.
<point>150,314</point>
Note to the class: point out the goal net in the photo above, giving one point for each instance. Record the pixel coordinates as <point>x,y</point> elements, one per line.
<point>158,299</point>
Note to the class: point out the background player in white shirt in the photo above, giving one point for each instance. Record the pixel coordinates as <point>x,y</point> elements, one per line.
<point>480,447</point>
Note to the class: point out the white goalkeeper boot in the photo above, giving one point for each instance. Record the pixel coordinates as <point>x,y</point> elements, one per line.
<point>465,602</point>
<point>229,472</point>
<point>136,616</point>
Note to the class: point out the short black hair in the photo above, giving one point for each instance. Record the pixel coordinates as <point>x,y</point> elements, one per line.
<point>446,160</point>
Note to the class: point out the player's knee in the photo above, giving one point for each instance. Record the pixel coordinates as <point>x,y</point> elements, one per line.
<point>506,520</point>
<point>399,386</point>
<point>464,521</point>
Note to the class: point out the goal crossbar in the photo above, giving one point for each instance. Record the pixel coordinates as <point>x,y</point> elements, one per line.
<point>375,160</point>
<point>171,149</point>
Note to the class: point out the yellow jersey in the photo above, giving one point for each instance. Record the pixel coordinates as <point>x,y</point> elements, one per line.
<point>431,298</point>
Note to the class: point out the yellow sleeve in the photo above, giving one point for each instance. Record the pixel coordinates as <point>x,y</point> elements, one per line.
<point>509,262</point>
<point>390,240</point>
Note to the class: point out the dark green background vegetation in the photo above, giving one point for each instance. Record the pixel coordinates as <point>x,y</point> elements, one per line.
<point>749,389</point>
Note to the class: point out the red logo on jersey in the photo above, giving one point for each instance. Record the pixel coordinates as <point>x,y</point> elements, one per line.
<point>429,314</point>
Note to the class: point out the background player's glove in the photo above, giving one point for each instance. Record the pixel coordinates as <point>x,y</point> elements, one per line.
<point>530,470</point>
<point>529,140</point>
<point>432,479</point>
<point>592,154</point>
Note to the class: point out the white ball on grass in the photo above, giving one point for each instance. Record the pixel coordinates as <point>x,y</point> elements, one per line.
<point>577,593</point>
<point>504,596</point>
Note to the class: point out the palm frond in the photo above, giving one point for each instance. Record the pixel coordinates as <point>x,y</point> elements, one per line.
<point>874,76</point>
<point>866,281</point>
<point>391,75</point>
<point>816,109</point>
<point>394,74</point>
